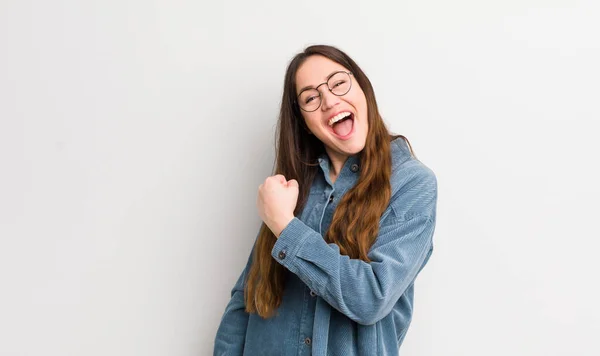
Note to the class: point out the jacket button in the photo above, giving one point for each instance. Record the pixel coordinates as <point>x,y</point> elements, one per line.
<point>281,254</point>
<point>307,341</point>
<point>354,168</point>
<point>312,294</point>
<point>331,198</point>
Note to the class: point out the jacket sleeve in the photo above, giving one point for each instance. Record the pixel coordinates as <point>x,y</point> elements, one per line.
<point>363,291</point>
<point>231,333</point>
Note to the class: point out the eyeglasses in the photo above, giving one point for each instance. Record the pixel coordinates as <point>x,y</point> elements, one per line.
<point>339,83</point>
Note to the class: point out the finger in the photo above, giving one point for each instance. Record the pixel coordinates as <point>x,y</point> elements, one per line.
<point>292,183</point>
<point>280,178</point>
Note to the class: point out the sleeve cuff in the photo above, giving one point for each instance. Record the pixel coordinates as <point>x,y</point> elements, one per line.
<point>290,241</point>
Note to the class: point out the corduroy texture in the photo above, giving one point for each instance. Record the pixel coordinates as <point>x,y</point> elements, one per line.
<point>334,304</point>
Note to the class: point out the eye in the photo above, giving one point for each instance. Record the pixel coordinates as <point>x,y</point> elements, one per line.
<point>309,99</point>
<point>338,83</point>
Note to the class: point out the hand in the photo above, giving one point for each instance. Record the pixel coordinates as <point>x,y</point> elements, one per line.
<point>277,199</point>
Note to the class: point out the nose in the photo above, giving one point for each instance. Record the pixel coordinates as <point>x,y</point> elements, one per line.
<point>328,100</point>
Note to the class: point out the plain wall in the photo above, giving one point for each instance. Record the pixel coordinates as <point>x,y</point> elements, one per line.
<point>134,135</point>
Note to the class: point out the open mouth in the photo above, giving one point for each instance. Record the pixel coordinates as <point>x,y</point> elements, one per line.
<point>344,126</point>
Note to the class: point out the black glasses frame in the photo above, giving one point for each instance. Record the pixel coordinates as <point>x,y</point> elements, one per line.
<point>330,90</point>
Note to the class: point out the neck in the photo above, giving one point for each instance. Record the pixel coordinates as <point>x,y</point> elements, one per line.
<point>337,162</point>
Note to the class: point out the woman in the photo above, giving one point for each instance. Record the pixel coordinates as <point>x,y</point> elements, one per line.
<point>348,224</point>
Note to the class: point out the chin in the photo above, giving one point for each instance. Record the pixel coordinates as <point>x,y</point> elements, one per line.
<point>354,148</point>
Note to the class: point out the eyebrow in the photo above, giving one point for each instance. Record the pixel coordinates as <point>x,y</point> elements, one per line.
<point>312,86</point>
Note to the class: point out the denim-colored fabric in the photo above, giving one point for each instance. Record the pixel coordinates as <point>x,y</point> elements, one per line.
<point>333,305</point>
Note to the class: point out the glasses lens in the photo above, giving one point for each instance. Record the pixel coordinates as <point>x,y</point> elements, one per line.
<point>339,83</point>
<point>309,99</point>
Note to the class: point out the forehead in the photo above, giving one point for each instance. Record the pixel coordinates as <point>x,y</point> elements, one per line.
<point>315,70</point>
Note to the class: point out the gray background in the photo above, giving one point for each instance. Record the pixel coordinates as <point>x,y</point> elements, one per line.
<point>134,135</point>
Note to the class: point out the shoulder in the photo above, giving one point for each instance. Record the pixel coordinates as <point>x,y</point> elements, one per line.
<point>414,185</point>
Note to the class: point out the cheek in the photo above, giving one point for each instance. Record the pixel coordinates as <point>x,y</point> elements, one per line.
<point>359,100</point>
<point>310,120</point>
<point>361,105</point>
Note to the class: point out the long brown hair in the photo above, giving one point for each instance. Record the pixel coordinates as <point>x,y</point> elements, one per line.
<point>355,222</point>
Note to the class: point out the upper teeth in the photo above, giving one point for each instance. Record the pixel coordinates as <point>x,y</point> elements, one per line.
<point>338,117</point>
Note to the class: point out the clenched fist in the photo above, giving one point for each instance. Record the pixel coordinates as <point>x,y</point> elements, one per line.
<point>277,199</point>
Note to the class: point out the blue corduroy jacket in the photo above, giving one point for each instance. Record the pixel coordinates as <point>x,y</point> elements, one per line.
<point>332,304</point>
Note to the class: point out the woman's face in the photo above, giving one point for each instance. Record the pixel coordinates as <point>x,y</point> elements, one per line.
<point>347,136</point>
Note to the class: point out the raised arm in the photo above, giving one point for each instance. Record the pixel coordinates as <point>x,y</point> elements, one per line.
<point>365,291</point>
